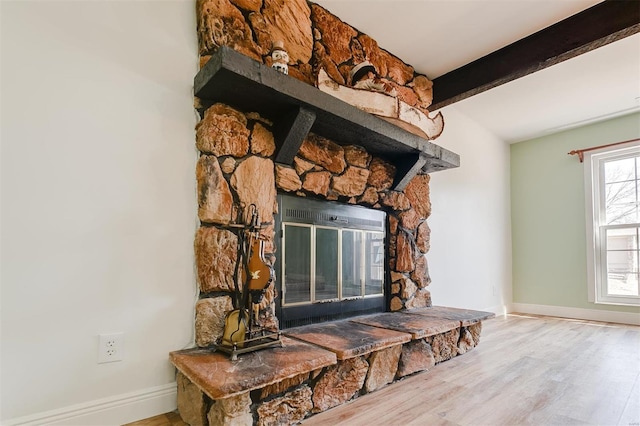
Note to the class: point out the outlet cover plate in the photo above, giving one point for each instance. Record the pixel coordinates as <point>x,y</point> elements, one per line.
<point>110,347</point>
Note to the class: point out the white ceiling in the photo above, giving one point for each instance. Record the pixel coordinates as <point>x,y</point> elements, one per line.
<point>437,36</point>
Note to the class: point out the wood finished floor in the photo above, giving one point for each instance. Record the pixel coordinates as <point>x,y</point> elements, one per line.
<point>526,371</point>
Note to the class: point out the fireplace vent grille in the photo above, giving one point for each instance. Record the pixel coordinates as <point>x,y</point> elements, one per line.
<point>314,216</point>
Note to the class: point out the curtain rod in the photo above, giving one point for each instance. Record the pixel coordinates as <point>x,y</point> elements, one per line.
<point>580,152</point>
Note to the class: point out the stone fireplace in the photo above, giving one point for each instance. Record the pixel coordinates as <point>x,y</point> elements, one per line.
<point>242,138</point>
<point>237,166</point>
<point>342,198</point>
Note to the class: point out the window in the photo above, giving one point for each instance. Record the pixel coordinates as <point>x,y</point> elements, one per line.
<point>613,225</point>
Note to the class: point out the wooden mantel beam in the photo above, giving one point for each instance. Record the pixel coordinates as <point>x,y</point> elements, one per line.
<point>597,26</point>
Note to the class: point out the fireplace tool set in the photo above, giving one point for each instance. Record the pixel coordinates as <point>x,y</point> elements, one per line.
<point>242,332</point>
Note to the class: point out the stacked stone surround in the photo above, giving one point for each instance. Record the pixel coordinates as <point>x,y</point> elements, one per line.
<point>236,166</point>
<point>314,39</point>
<point>236,169</point>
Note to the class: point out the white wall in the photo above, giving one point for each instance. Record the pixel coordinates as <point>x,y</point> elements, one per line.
<point>98,203</point>
<point>470,257</point>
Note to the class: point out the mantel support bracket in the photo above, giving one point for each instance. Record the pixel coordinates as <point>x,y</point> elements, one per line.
<point>407,168</point>
<point>290,131</point>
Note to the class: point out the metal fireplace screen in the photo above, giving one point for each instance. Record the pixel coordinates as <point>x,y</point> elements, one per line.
<point>331,261</point>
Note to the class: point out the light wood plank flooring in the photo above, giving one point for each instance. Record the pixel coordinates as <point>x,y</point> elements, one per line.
<point>526,371</point>
<point>168,419</point>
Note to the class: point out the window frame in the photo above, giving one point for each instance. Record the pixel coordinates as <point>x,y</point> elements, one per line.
<point>595,214</point>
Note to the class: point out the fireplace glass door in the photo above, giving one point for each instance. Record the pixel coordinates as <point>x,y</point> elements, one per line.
<point>325,264</point>
<point>331,261</point>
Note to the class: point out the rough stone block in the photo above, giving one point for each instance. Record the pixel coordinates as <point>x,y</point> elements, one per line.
<point>216,252</point>
<point>396,200</point>
<point>336,35</point>
<point>357,156</point>
<point>302,166</point>
<point>417,191</point>
<point>395,304</point>
<point>423,238</point>
<point>420,274</point>
<point>408,288</point>
<point>445,345</point>
<point>323,152</point>
<point>339,384</point>
<point>254,182</point>
<point>370,196</point>
<point>260,30</point>
<point>287,179</point>
<point>232,411</point>
<point>351,183</point>
<point>327,64</point>
<point>210,315</point>
<point>423,87</point>
<point>404,253</point>
<point>220,23</point>
<point>393,225</point>
<point>262,142</point>
<point>214,197</point>
<point>397,70</point>
<point>371,51</point>
<point>382,174</point>
<point>395,288</point>
<point>192,403</point>
<point>416,356</point>
<point>409,219</point>
<point>253,5</point>
<point>383,366</point>
<point>288,409</point>
<point>302,72</point>
<point>475,330</point>
<point>421,299</point>
<point>317,182</point>
<point>223,131</point>
<point>290,22</point>
<point>228,165</point>
<point>466,342</point>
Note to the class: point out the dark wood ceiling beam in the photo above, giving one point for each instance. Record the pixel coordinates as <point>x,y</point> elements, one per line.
<point>597,26</point>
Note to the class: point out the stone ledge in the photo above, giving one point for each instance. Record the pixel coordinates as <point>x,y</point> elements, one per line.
<point>285,385</point>
<point>348,339</point>
<point>219,377</point>
<point>417,326</point>
<point>465,316</point>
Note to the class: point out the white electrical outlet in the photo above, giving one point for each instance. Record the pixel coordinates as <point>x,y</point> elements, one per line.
<point>110,347</point>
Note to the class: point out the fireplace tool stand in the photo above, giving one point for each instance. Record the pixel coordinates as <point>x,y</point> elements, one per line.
<point>242,331</point>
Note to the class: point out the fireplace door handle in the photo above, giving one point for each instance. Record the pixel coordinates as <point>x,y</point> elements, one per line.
<point>338,220</point>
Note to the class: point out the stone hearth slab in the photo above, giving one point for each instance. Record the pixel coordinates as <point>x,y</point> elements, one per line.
<point>219,377</point>
<point>348,339</point>
<point>418,326</point>
<point>465,316</point>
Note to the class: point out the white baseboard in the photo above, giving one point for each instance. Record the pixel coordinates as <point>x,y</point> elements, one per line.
<point>577,313</point>
<point>115,410</point>
<point>499,310</point>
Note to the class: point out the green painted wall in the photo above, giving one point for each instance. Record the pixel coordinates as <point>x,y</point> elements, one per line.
<point>548,214</point>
